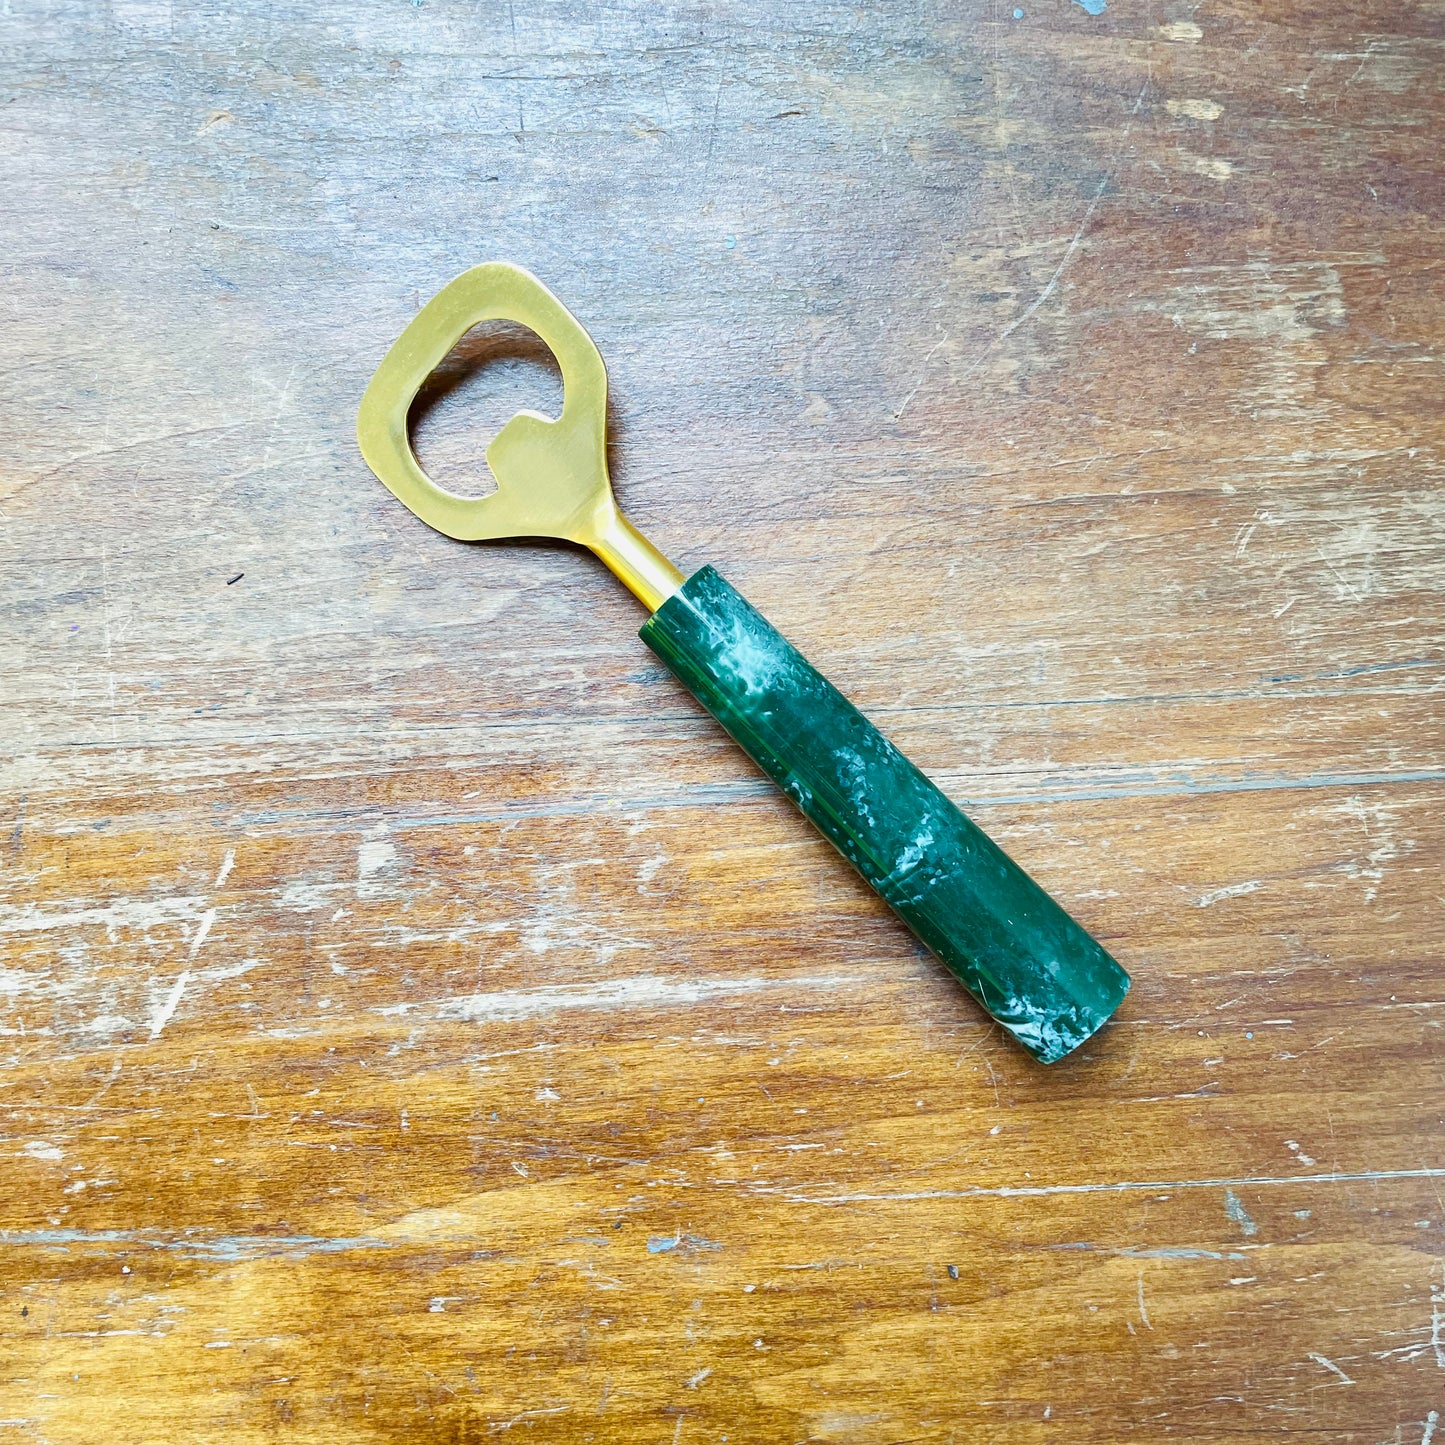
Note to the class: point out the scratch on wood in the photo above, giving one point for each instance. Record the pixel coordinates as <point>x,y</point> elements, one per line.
<point>1027,1191</point>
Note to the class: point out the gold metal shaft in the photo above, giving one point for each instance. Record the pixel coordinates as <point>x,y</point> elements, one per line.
<point>646,573</point>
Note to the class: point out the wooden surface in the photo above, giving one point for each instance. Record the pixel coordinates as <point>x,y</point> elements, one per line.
<point>421,1025</point>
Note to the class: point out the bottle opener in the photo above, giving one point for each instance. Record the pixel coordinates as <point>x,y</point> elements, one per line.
<point>1011,946</point>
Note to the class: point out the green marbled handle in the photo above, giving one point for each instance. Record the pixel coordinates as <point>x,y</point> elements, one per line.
<point>1015,950</point>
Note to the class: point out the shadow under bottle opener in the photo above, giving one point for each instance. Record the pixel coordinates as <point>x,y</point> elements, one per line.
<point>1011,946</point>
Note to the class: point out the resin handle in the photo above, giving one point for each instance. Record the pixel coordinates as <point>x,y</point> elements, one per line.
<point>1012,947</point>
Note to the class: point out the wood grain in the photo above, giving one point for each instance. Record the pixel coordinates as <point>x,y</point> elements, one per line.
<point>420,1023</point>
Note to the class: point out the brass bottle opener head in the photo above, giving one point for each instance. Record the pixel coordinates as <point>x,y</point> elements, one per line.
<point>551,475</point>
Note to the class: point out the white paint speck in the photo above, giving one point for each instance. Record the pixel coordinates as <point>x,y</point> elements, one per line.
<point>227,863</point>
<point>1235,1210</point>
<point>1382,846</point>
<point>1235,890</point>
<point>107,1024</point>
<point>1437,1321</point>
<point>137,913</point>
<point>163,1015</point>
<point>1211,167</point>
<point>207,919</point>
<point>639,991</point>
<point>647,870</point>
<point>1195,109</point>
<point>1330,1365</point>
<point>374,857</point>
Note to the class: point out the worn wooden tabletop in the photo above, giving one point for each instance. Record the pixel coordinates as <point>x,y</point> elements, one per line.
<point>421,1024</point>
